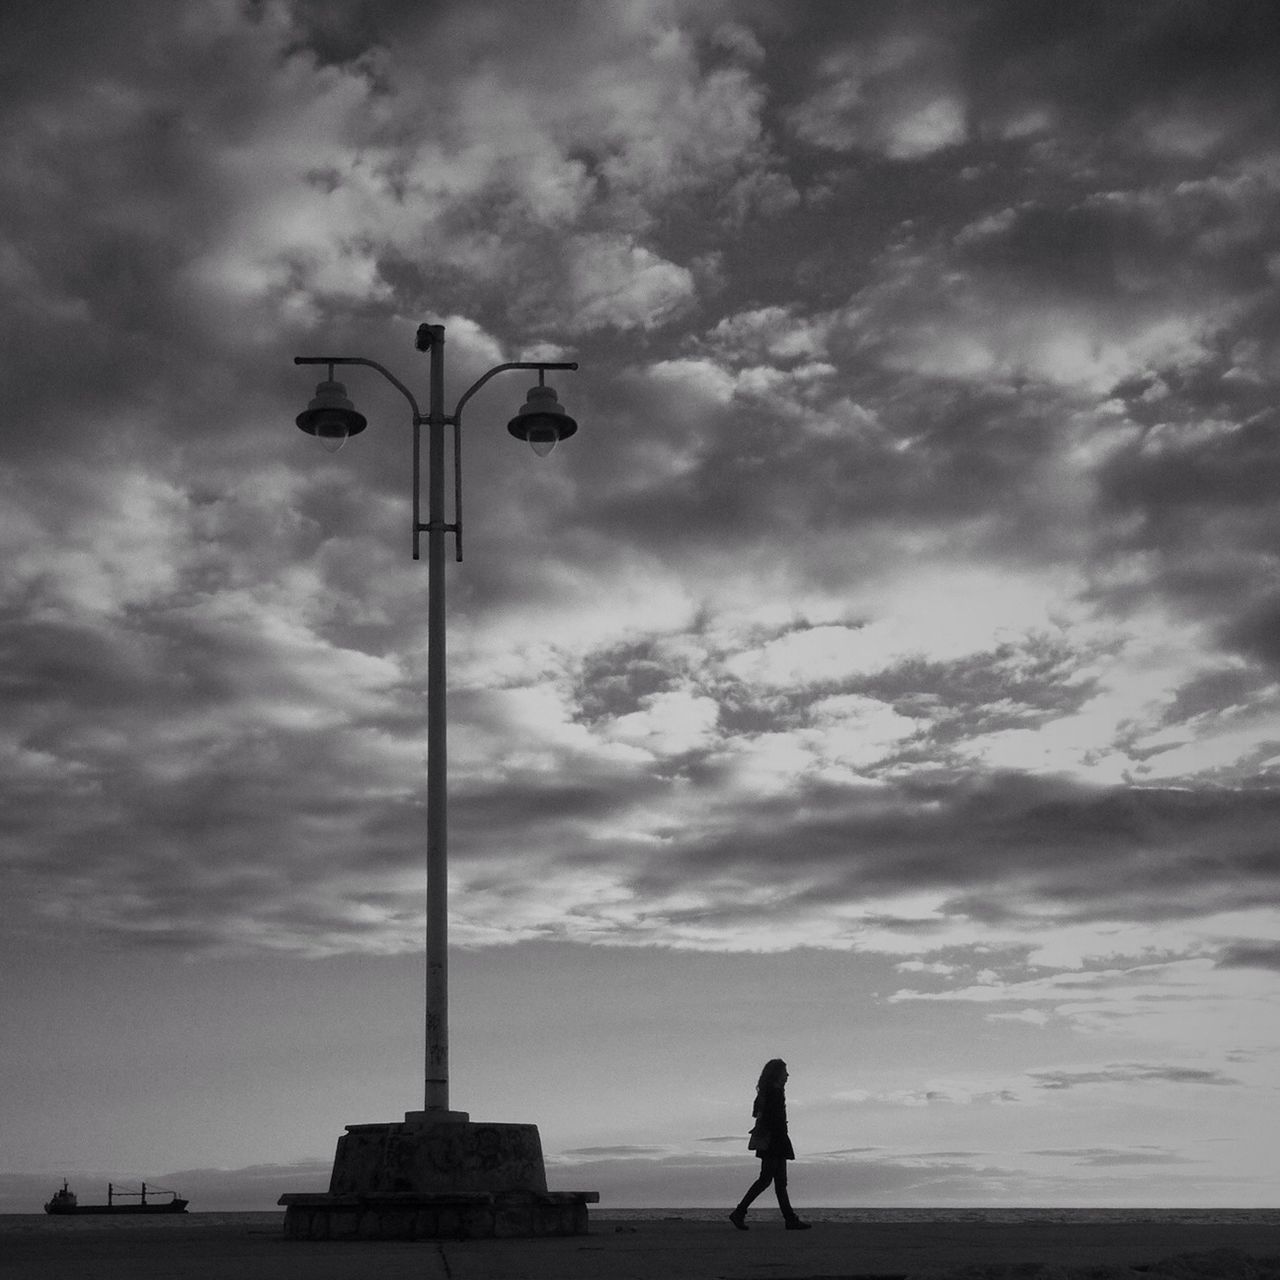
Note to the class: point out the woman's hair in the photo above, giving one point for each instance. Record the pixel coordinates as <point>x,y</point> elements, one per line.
<point>771,1076</point>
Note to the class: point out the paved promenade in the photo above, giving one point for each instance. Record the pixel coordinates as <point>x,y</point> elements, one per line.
<point>664,1250</point>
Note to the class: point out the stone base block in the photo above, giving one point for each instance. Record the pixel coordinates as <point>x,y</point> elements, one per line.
<point>437,1154</point>
<point>408,1215</point>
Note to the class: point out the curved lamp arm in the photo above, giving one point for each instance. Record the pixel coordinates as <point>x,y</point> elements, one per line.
<point>456,418</point>
<point>418,419</point>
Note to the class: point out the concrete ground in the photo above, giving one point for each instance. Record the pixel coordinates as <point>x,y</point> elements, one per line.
<point>665,1250</point>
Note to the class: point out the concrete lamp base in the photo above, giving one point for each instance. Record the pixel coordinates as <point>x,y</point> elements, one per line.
<point>436,1176</point>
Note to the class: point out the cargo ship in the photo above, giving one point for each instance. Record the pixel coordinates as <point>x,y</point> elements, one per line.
<point>65,1201</point>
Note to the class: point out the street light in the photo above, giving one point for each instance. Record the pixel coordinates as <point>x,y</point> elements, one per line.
<point>437,1174</point>
<point>542,421</point>
<point>330,416</point>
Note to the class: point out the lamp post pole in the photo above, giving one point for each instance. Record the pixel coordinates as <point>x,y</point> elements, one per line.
<point>542,422</point>
<point>436,1072</point>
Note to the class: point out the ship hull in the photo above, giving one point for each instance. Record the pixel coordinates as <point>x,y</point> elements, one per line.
<point>174,1206</point>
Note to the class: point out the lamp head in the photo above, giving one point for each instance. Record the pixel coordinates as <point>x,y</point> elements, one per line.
<point>542,421</point>
<point>331,417</point>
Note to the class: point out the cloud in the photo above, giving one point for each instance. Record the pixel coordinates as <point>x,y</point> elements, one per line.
<point>898,95</point>
<point>604,1153</point>
<point>1110,1158</point>
<point>616,282</point>
<point>1075,982</point>
<point>942,1093</point>
<point>891,1178</point>
<point>1250,955</point>
<point>905,589</point>
<point>1130,1073</point>
<point>906,594</point>
<point>832,1178</point>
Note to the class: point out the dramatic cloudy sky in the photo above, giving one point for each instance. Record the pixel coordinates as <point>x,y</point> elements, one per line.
<point>885,677</point>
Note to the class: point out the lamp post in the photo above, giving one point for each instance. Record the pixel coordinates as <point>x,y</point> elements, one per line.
<point>542,422</point>
<point>437,1174</point>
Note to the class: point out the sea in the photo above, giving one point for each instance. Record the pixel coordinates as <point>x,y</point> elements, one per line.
<point>270,1221</point>
<point>1202,1217</point>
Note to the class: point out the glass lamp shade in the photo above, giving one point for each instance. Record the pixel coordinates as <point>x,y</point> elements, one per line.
<point>331,417</point>
<point>542,421</point>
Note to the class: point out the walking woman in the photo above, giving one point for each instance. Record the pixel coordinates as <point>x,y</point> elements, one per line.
<point>770,1141</point>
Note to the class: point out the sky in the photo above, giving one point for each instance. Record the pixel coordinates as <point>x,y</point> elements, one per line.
<point>885,677</point>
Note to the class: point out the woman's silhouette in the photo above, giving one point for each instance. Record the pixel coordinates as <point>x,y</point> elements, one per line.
<point>770,1141</point>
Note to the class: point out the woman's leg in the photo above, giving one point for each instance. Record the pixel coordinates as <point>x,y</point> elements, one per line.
<point>780,1186</point>
<point>766,1177</point>
<point>784,1200</point>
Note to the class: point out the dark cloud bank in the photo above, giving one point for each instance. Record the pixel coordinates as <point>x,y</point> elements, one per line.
<point>1018,313</point>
